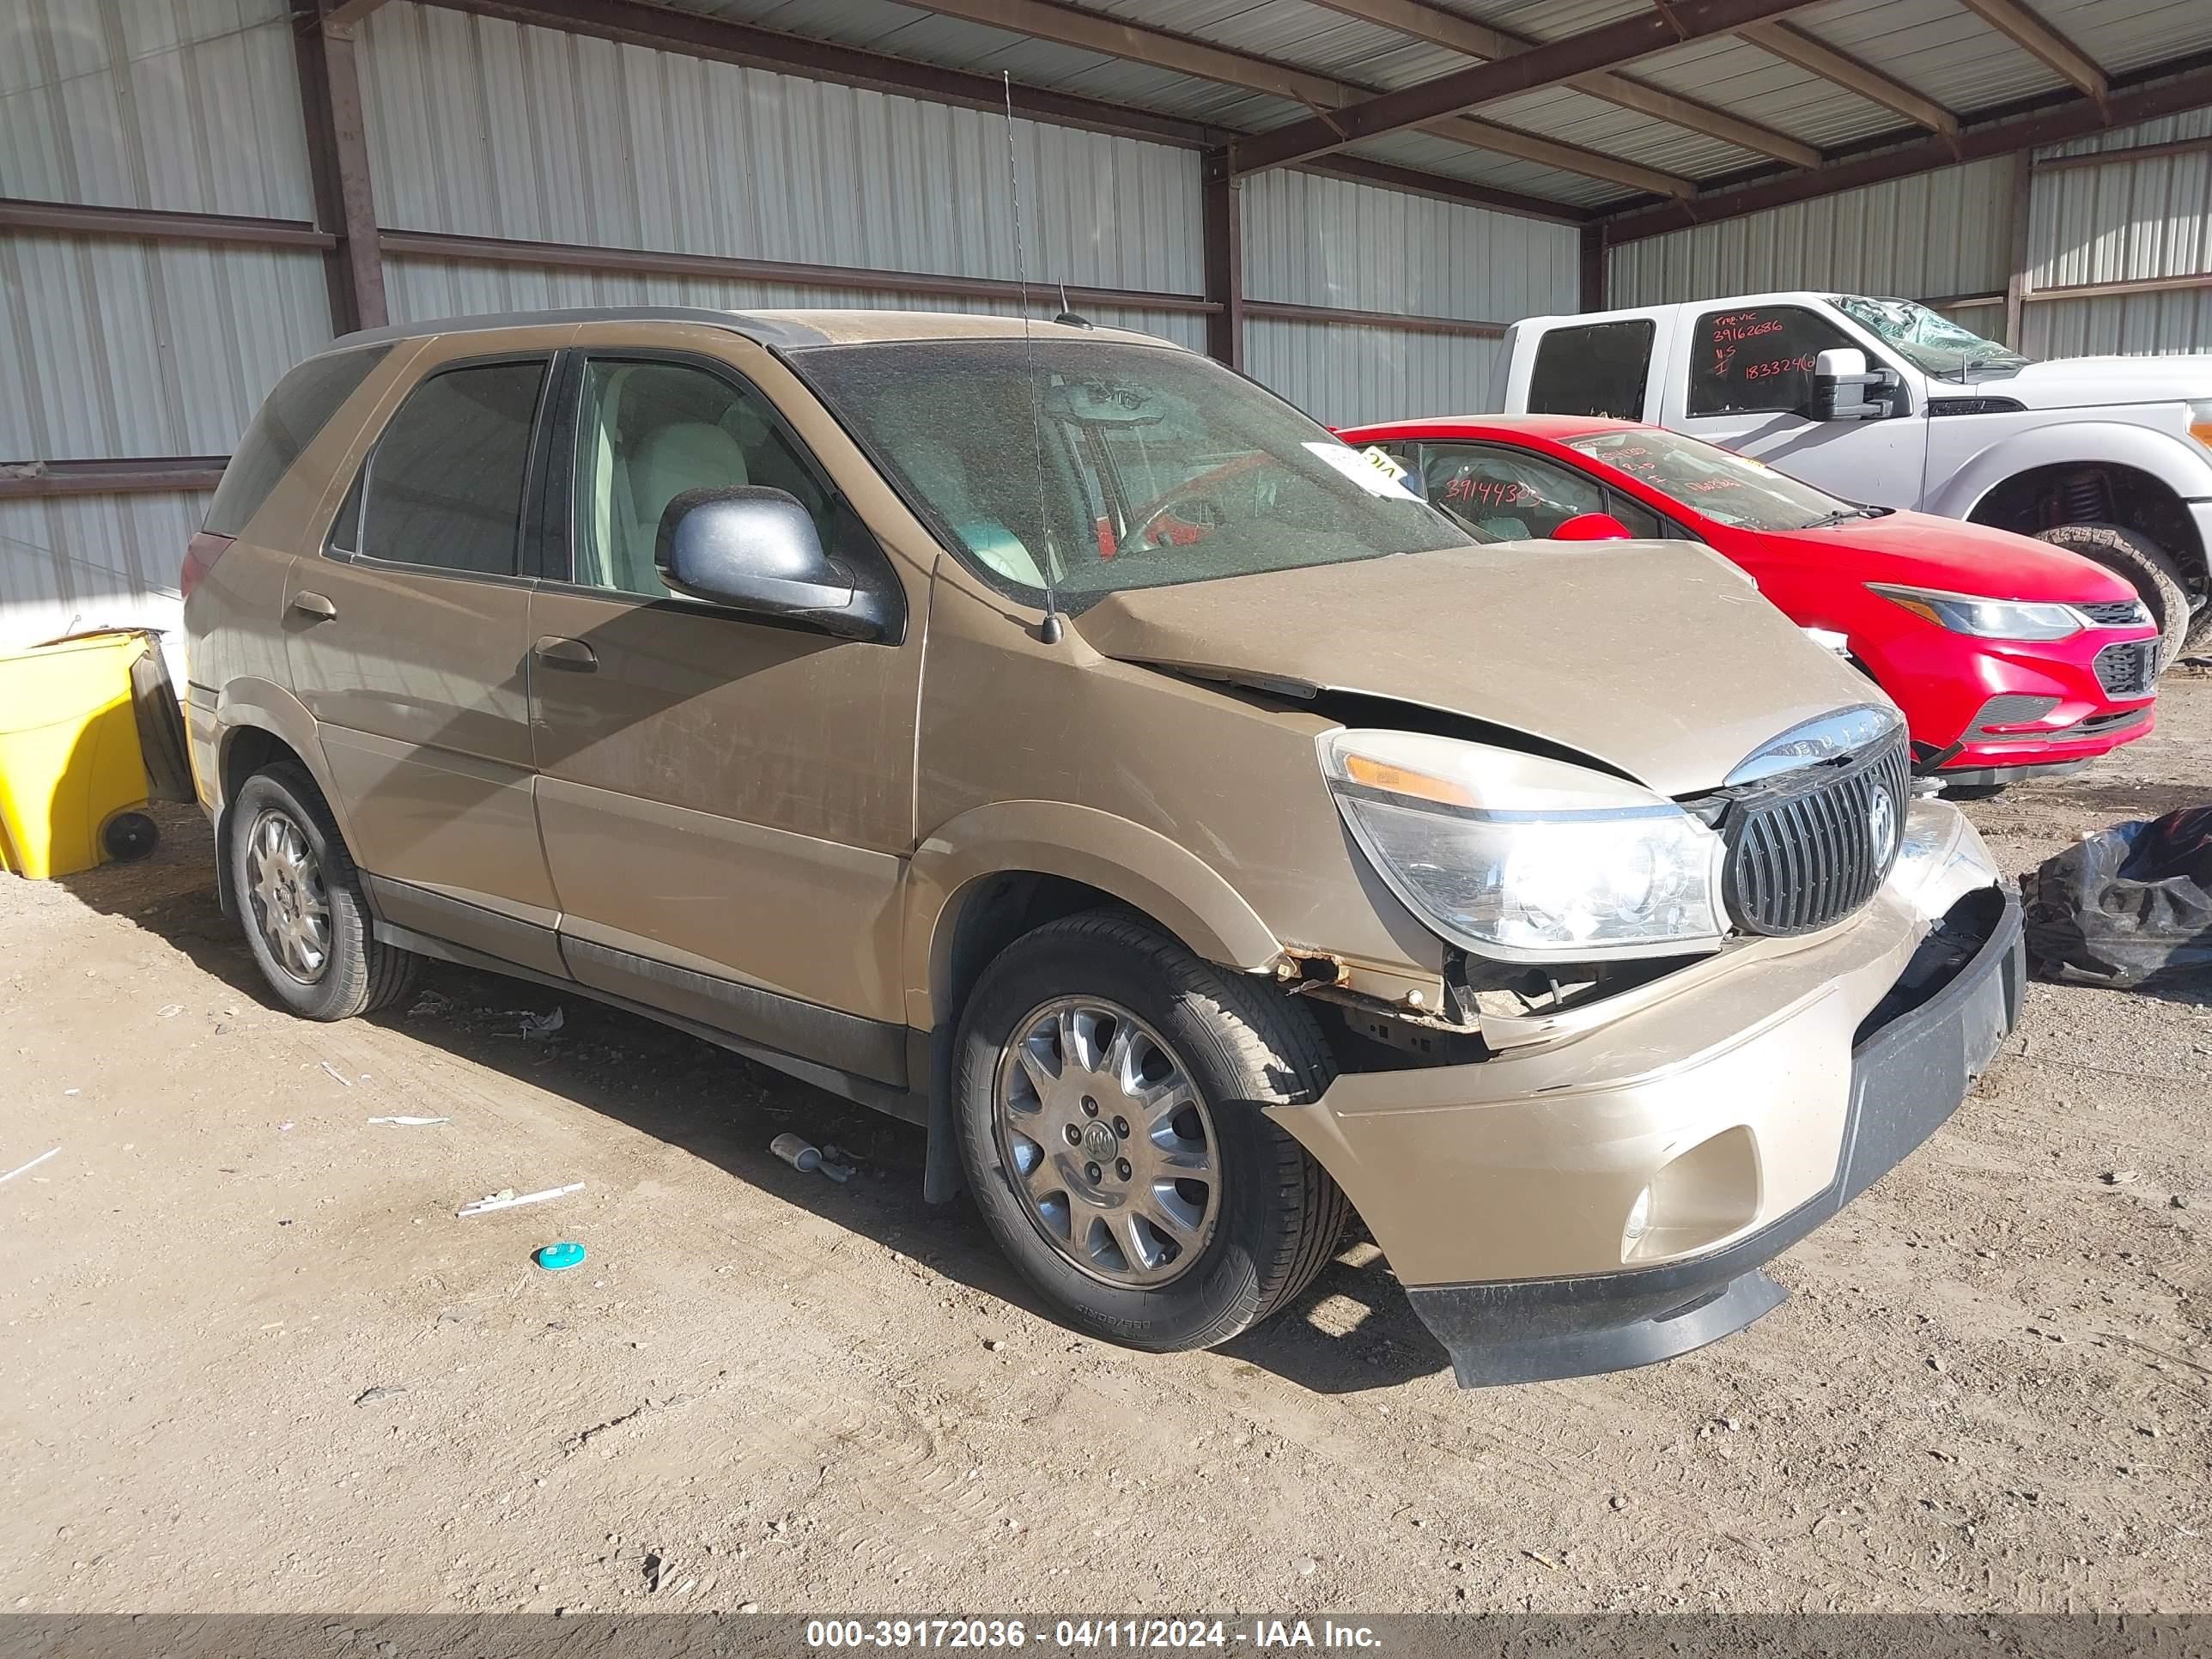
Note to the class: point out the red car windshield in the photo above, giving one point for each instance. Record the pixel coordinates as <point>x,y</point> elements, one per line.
<point>1723,486</point>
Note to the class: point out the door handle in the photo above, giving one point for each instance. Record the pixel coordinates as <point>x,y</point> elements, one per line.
<point>314,605</point>
<point>574,655</point>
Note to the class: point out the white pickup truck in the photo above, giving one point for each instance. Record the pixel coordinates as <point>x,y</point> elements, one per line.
<point>1887,403</point>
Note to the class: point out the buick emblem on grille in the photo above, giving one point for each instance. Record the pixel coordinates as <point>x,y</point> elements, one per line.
<point>1881,823</point>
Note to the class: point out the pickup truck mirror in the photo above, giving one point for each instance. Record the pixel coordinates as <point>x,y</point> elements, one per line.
<point>756,549</point>
<point>1841,382</point>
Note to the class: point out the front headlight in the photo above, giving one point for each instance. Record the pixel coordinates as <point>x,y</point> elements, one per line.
<point>2200,421</point>
<point>1986,619</point>
<point>1524,859</point>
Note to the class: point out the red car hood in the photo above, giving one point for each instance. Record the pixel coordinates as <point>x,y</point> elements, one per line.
<point>1926,551</point>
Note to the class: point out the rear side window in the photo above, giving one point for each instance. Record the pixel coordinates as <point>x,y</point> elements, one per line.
<point>1595,368</point>
<point>299,407</point>
<point>445,481</point>
<point>1758,359</point>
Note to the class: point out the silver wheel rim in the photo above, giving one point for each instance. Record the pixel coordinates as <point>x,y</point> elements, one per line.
<point>1107,1142</point>
<point>285,891</point>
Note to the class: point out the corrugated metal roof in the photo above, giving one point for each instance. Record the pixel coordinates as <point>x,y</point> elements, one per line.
<point>1425,153</point>
<point>1935,47</point>
<point>2120,35</point>
<point>131,348</point>
<point>130,103</point>
<point>482,127</point>
<point>1738,77</point>
<point>1309,239</point>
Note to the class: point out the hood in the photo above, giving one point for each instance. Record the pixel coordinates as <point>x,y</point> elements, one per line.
<point>1658,658</point>
<point>1926,551</point>
<point>2088,382</point>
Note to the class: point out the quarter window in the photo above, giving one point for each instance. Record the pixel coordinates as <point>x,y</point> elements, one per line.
<point>299,407</point>
<point>1756,360</point>
<point>445,483</point>
<point>650,431</point>
<point>1593,369</point>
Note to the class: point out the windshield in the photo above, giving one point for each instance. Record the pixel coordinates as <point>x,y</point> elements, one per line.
<point>1115,465</point>
<point>1929,341</point>
<point>1730,488</point>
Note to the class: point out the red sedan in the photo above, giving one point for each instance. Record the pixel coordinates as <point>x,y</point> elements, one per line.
<point>2007,655</point>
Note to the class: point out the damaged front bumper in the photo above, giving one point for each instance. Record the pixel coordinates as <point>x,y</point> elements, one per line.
<point>1605,1200</point>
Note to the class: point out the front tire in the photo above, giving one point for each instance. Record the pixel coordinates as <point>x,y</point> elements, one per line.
<point>2144,565</point>
<point>1110,1089</point>
<point>299,899</point>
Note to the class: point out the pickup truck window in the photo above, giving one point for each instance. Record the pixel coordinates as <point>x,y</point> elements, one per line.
<point>1926,339</point>
<point>1593,369</point>
<point>1728,488</point>
<point>1757,359</point>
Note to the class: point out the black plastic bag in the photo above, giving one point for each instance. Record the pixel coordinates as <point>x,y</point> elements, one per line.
<point>2130,907</point>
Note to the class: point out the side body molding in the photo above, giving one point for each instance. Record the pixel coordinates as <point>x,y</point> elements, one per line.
<point>1168,882</point>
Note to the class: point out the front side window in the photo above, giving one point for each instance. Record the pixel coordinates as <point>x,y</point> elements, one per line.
<point>1731,488</point>
<point>1593,369</point>
<point>445,483</point>
<point>1113,466</point>
<point>1926,339</point>
<point>1757,359</point>
<point>1504,494</point>
<point>649,431</point>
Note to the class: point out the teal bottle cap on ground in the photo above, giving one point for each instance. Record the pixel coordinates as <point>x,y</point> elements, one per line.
<point>554,1257</point>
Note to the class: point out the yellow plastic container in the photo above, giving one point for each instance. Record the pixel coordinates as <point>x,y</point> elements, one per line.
<point>69,758</point>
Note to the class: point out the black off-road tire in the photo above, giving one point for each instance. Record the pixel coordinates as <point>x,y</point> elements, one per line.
<point>363,974</point>
<point>2144,565</point>
<point>1246,1047</point>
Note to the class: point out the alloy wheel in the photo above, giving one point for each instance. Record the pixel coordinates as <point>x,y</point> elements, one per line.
<point>285,889</point>
<point>1112,1151</point>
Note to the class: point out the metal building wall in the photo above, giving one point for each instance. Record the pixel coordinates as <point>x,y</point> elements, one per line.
<point>486,128</point>
<point>1935,235</point>
<point>1315,241</point>
<point>2143,218</point>
<point>112,347</point>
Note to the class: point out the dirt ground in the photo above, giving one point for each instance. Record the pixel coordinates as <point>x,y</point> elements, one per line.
<point>254,1362</point>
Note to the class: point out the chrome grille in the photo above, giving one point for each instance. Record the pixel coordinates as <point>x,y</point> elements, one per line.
<point>1810,847</point>
<point>2127,670</point>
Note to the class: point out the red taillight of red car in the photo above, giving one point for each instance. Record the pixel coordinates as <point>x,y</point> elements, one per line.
<point>200,554</point>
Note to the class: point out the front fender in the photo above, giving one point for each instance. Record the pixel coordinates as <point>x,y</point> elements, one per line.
<point>2181,466</point>
<point>1138,866</point>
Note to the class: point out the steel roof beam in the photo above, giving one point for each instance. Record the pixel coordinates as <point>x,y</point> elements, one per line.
<point>2039,41</point>
<point>1090,31</point>
<point>1794,45</point>
<point>2145,99</point>
<point>1609,47</point>
<point>1480,41</point>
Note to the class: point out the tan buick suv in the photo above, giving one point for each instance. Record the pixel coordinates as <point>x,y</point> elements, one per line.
<point>1056,740</point>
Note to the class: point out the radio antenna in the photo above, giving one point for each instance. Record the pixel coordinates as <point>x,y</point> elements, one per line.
<point>1051,629</point>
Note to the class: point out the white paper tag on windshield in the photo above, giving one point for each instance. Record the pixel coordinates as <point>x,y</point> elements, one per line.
<point>1364,472</point>
<point>1383,461</point>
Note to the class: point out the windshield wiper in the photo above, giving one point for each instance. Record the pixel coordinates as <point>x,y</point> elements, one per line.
<point>1840,514</point>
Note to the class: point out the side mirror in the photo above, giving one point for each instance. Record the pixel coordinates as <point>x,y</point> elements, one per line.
<point>1841,382</point>
<point>756,550</point>
<point>1592,527</point>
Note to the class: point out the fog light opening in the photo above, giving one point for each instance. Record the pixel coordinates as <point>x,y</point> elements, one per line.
<point>1640,1223</point>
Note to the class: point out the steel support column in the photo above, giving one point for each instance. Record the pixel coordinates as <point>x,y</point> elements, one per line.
<point>1224,262</point>
<point>337,157</point>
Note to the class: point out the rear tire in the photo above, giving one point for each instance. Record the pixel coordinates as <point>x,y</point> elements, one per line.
<point>299,899</point>
<point>1239,1243</point>
<point>2144,565</point>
